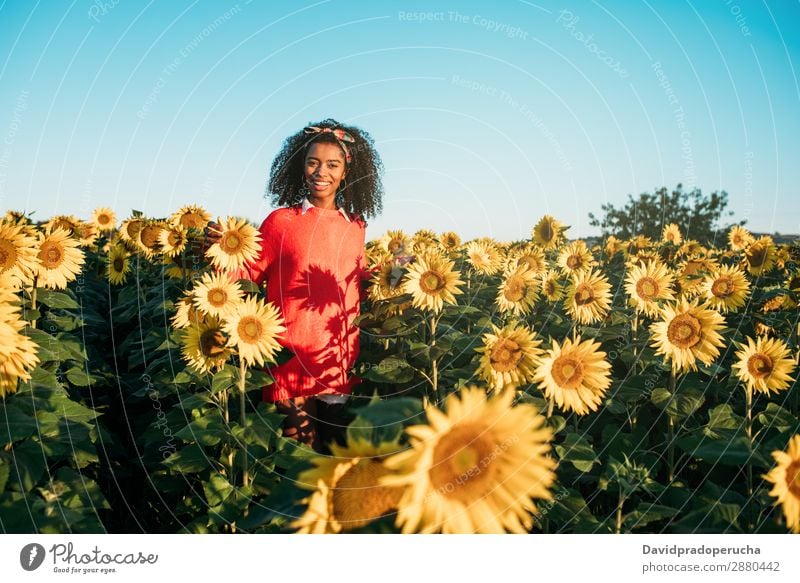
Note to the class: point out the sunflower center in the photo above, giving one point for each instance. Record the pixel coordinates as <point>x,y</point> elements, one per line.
<point>760,365</point>
<point>250,329</point>
<point>794,283</point>
<point>133,229</point>
<point>574,262</point>
<point>757,255</point>
<point>722,286</point>
<point>217,297</point>
<point>584,294</point>
<point>51,254</point>
<point>431,282</point>
<point>647,288</point>
<point>174,238</point>
<point>358,498</point>
<point>546,232</point>
<point>212,342</point>
<point>464,466</point>
<point>505,355</point>
<point>567,372</point>
<point>191,219</point>
<point>8,255</point>
<point>793,478</point>
<point>514,290</point>
<point>395,246</point>
<point>684,331</point>
<point>118,264</point>
<point>231,242</point>
<point>549,287</point>
<point>103,219</point>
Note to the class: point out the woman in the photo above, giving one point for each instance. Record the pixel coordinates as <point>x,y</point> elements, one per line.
<point>327,179</point>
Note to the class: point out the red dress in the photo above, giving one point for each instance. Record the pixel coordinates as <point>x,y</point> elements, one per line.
<point>312,262</point>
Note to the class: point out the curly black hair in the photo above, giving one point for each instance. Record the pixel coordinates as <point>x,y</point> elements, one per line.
<point>362,194</point>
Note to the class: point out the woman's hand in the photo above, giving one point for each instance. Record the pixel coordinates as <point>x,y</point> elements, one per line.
<point>212,234</point>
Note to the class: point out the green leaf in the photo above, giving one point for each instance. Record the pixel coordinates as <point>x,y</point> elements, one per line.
<point>679,405</point>
<point>389,412</point>
<point>224,379</point>
<point>15,425</point>
<point>577,450</point>
<point>189,460</point>
<point>206,430</point>
<point>392,370</point>
<point>56,299</point>
<point>720,419</point>
<point>217,489</point>
<point>79,377</point>
<point>647,513</point>
<point>5,470</point>
<point>776,416</point>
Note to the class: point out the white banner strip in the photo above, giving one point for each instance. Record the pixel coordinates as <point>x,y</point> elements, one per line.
<point>401,558</point>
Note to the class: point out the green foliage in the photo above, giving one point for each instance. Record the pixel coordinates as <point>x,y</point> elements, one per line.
<point>697,215</point>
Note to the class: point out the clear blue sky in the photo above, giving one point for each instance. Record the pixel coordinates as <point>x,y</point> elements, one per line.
<point>487,116</point>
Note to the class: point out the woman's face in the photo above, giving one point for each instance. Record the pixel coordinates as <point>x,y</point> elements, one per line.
<point>324,169</point>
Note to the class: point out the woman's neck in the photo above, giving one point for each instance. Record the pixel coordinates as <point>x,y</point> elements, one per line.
<point>327,202</point>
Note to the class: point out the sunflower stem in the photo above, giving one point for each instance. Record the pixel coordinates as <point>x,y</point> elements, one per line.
<point>33,302</point>
<point>550,405</point>
<point>671,431</point>
<point>620,503</point>
<point>434,361</point>
<point>749,432</point>
<point>243,420</point>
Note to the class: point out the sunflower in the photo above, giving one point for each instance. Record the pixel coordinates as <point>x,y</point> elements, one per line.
<point>687,333</point>
<point>531,256</point>
<point>785,478</point>
<point>575,374</point>
<point>18,254</point>
<point>104,219</point>
<point>239,244</point>
<point>129,231</point>
<point>508,356</point>
<point>148,239</point>
<point>18,353</point>
<point>450,241</point>
<point>69,223</point>
<point>186,313</point>
<point>588,297</point>
<point>518,290</point>
<point>396,242</point>
<point>739,238</point>
<point>484,257</point>
<point>648,284</point>
<point>760,256</point>
<point>552,289</point>
<point>118,265</point>
<point>475,468</point>
<point>204,345</point>
<point>423,240</point>
<point>173,240</point>
<point>216,295</point>
<point>793,282</point>
<point>672,234</point>
<point>612,246</point>
<point>254,327</point>
<point>348,493</point>
<point>548,232</point>
<point>386,281</point>
<point>60,259</point>
<point>765,365</point>
<point>727,289</point>
<point>432,280</point>
<point>190,216</point>
<point>575,257</point>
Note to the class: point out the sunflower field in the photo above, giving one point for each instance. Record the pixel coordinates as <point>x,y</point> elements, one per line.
<point>542,386</point>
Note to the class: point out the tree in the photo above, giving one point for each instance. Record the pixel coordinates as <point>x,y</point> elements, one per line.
<point>697,215</point>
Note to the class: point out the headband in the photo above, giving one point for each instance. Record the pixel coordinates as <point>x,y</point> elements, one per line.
<point>340,135</point>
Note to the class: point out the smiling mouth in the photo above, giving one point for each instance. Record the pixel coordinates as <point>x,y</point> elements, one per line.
<point>320,184</point>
